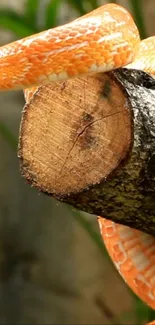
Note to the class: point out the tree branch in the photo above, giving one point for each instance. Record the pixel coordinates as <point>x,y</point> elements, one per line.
<point>90,142</point>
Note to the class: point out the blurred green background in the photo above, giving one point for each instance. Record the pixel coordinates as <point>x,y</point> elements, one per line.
<point>53,265</point>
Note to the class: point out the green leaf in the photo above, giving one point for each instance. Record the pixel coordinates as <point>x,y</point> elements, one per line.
<point>151,315</point>
<point>137,9</point>
<point>12,21</point>
<point>94,4</point>
<point>52,13</point>
<point>91,231</point>
<point>8,136</point>
<point>78,5</point>
<point>141,310</point>
<point>31,10</point>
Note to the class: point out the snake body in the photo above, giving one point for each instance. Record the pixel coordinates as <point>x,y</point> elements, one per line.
<point>100,41</point>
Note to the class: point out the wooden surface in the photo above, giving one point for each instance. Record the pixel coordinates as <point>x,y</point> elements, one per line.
<point>74,134</point>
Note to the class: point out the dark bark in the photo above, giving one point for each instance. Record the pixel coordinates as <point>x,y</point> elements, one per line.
<point>126,193</point>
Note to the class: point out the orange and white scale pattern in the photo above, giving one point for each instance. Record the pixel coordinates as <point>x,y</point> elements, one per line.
<point>100,41</point>
<point>133,253</point>
<point>145,58</point>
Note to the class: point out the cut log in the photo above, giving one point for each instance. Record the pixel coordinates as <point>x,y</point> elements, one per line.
<point>90,142</point>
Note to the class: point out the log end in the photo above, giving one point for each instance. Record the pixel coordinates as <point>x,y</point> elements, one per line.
<point>74,134</point>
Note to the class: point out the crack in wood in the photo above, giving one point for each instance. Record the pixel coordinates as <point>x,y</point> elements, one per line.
<point>81,132</point>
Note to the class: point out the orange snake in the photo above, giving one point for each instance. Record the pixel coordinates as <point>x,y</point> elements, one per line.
<point>102,40</point>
